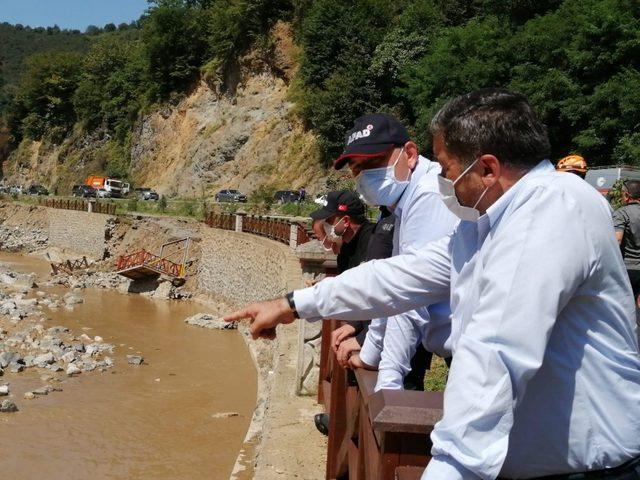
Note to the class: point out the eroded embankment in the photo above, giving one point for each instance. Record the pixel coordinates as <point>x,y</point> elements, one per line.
<point>227,269</point>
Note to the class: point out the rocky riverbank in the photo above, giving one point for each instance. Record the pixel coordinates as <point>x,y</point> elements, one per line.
<point>57,352</point>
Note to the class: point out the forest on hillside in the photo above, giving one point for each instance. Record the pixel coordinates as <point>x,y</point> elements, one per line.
<point>577,60</point>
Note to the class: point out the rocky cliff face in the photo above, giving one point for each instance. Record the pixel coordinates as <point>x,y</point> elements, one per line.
<point>235,132</point>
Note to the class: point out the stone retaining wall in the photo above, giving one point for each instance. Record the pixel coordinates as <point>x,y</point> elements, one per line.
<point>242,267</point>
<point>79,232</point>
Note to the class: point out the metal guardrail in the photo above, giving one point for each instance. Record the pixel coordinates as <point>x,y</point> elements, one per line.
<point>69,266</point>
<point>143,258</point>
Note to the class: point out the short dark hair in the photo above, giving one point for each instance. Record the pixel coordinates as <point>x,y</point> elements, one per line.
<point>493,121</point>
<point>633,188</point>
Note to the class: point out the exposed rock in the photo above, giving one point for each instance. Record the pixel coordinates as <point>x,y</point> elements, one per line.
<point>42,390</point>
<point>72,369</point>
<point>29,395</point>
<point>4,390</point>
<point>164,291</point>
<point>8,406</point>
<point>43,360</point>
<point>206,320</point>
<point>225,415</point>
<point>72,299</point>
<point>135,359</point>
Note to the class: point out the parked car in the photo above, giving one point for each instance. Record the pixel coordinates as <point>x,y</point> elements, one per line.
<point>4,189</point>
<point>37,190</point>
<point>144,193</point>
<point>230,196</point>
<point>103,193</point>
<point>126,189</point>
<point>321,200</point>
<point>83,191</point>
<point>286,196</point>
<point>15,189</point>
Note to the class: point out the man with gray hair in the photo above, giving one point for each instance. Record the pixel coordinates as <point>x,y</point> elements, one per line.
<point>545,379</point>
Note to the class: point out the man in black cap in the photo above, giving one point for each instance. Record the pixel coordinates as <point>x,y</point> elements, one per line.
<point>342,226</point>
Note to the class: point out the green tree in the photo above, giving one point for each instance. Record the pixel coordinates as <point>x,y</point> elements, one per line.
<point>44,96</point>
<point>112,84</point>
<point>174,44</point>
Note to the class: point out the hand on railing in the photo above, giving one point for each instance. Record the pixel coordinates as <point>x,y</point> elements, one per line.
<point>356,362</point>
<point>346,350</point>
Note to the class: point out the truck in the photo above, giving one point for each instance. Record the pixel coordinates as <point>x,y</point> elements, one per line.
<point>603,178</point>
<point>111,185</point>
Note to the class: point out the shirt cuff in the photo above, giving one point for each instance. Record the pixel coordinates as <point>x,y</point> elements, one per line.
<point>442,467</point>
<point>370,353</point>
<point>306,304</point>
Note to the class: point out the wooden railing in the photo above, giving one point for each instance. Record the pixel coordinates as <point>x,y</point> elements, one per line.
<point>148,259</point>
<point>373,435</point>
<point>278,229</point>
<point>220,220</point>
<point>80,205</point>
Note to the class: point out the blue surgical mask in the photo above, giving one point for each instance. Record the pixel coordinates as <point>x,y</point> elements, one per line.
<point>379,186</point>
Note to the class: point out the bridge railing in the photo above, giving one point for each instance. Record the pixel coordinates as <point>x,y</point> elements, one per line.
<point>145,258</point>
<point>373,435</point>
<point>283,230</point>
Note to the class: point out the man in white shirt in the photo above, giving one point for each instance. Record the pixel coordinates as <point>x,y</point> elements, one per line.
<point>389,171</point>
<point>546,374</point>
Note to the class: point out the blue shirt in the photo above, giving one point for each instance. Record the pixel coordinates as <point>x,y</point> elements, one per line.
<point>546,374</point>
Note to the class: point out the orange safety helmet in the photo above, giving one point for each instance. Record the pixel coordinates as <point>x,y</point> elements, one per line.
<point>572,163</point>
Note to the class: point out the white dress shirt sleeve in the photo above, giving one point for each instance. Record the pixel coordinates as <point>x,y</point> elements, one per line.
<point>539,257</point>
<point>374,342</point>
<point>380,288</point>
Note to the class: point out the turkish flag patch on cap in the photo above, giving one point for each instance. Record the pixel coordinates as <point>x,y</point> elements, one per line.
<point>342,207</point>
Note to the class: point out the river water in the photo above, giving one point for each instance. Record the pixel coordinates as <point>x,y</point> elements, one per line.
<point>153,421</point>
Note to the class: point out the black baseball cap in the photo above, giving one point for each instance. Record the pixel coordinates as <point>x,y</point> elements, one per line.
<point>372,136</point>
<point>341,202</point>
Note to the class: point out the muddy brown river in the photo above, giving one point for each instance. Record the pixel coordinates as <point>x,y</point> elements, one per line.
<point>153,421</point>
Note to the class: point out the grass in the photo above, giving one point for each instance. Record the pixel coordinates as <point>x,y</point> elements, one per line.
<point>436,378</point>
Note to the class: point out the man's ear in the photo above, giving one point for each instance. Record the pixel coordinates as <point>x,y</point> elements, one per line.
<point>491,169</point>
<point>411,151</point>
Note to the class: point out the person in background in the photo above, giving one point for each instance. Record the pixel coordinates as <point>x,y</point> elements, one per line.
<point>350,337</point>
<point>389,171</point>
<point>302,194</point>
<point>626,222</point>
<point>573,164</point>
<point>342,228</point>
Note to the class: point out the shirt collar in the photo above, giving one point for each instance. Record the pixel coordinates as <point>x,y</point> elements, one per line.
<point>422,167</point>
<point>497,209</point>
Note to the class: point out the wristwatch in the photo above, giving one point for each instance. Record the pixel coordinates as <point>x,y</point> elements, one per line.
<point>292,304</point>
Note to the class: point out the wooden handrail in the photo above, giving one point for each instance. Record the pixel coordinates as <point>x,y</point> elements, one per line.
<point>373,435</point>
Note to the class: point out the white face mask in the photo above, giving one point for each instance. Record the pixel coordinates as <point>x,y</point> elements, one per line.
<point>379,186</point>
<point>330,232</point>
<point>448,193</point>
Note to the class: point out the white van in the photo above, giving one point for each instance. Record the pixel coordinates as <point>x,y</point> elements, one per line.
<point>603,178</point>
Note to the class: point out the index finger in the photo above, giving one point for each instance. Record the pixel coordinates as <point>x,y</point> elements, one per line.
<point>238,315</point>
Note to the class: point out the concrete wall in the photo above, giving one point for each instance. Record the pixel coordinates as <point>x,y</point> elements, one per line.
<point>80,232</point>
<point>244,267</point>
